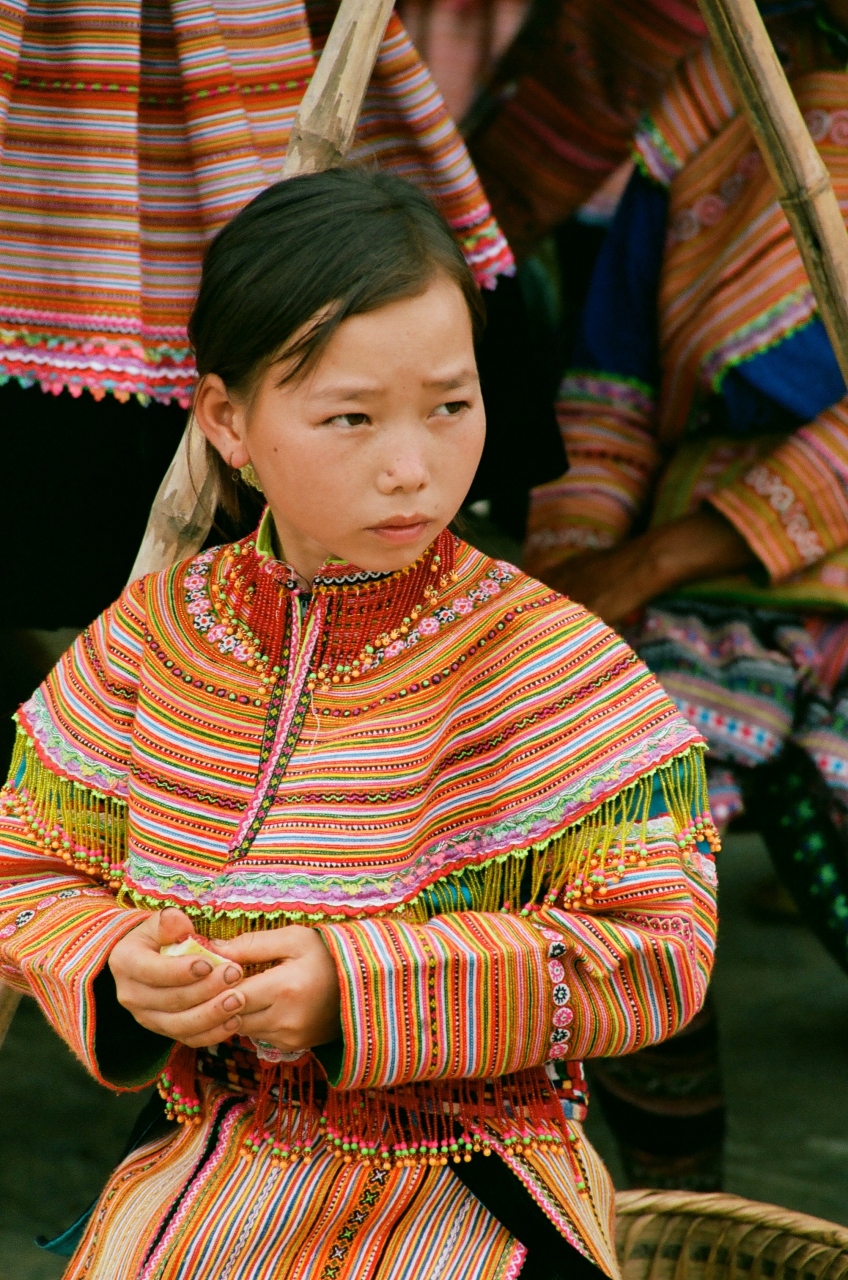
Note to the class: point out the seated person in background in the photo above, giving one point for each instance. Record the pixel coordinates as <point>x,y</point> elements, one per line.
<point>706,509</point>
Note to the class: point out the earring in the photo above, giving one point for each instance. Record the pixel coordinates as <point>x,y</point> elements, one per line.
<point>249,476</point>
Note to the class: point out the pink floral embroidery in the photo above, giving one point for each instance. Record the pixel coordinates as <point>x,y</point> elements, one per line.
<point>563,1016</point>
<point>462,605</point>
<point>428,627</point>
<point>711,208</point>
<point>823,123</point>
<point>791,513</point>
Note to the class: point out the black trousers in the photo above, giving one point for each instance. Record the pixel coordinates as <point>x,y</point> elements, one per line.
<point>549,1255</point>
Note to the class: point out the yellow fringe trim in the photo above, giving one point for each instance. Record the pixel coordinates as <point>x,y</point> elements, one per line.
<point>575,869</point>
<point>84,827</point>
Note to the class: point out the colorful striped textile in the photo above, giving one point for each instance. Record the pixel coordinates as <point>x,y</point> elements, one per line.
<point>565,101</point>
<point>320,1221</point>
<point>132,130</point>
<point>478,795</point>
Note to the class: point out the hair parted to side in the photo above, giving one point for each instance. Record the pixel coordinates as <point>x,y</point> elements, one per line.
<point>320,247</point>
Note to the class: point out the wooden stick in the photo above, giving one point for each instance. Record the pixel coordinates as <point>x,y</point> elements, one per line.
<point>802,182</point>
<point>321,136</point>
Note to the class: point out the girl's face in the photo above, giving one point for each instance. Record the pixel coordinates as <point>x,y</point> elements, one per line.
<point>370,454</point>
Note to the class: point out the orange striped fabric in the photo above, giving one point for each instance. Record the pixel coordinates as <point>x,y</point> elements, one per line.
<point>132,130</point>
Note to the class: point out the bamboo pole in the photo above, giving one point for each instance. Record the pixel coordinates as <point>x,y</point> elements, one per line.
<point>321,136</point>
<point>802,182</point>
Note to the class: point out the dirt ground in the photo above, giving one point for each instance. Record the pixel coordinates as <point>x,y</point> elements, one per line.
<point>783,1010</point>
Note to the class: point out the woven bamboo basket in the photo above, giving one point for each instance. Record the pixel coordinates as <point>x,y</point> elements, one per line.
<point>680,1235</point>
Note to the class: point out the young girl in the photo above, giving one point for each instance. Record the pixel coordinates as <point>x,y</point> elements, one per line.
<point>430,832</point>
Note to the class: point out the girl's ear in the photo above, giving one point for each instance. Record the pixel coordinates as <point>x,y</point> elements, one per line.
<point>221,420</point>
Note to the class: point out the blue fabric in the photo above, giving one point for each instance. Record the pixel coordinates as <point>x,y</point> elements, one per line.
<point>778,390</point>
<point>800,373</point>
<point>619,331</point>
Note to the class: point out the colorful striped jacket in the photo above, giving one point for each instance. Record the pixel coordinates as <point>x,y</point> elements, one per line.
<point>478,795</point>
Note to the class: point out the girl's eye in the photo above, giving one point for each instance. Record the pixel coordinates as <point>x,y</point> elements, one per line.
<point>350,419</point>
<point>450,408</point>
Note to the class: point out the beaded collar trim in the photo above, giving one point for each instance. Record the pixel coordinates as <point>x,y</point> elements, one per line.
<point>245,608</point>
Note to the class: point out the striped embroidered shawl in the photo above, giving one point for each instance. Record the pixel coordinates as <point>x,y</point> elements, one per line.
<point>503,719</point>
<point>132,130</point>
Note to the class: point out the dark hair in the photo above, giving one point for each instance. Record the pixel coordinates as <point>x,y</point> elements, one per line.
<point>335,244</point>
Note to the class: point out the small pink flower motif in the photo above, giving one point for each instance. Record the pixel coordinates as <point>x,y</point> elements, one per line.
<point>563,1017</point>
<point>839,127</point>
<point>200,605</point>
<point>749,164</point>
<point>241,652</point>
<point>7,931</point>
<point>559,1050</point>
<point>685,226</point>
<point>46,902</point>
<point>818,123</point>
<point>195,582</point>
<point>462,605</point>
<point>488,587</point>
<point>428,627</point>
<point>392,650</point>
<point>217,633</point>
<point>710,209</point>
<point>556,971</point>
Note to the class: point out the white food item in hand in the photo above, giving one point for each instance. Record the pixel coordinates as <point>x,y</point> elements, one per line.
<point>192,947</point>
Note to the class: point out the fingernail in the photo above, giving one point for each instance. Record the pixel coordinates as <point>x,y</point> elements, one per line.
<point>232,1002</point>
<point>200,968</point>
<point>231,974</point>
<point>231,1024</point>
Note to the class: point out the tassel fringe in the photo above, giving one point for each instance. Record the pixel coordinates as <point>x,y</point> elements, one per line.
<point>86,829</point>
<point>576,869</point>
<point>429,1123</point>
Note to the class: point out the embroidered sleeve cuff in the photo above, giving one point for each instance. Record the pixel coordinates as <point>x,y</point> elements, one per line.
<point>791,508</point>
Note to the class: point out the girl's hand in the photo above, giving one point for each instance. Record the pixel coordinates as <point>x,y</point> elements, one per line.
<point>295,1005</point>
<point>182,997</point>
<point>613,584</point>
